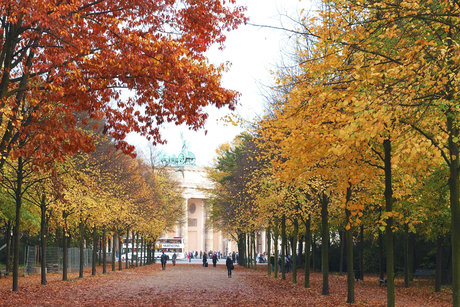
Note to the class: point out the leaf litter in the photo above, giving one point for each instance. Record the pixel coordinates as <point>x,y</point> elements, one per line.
<point>193,285</point>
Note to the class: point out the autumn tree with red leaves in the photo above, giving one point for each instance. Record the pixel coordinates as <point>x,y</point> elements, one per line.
<point>138,64</point>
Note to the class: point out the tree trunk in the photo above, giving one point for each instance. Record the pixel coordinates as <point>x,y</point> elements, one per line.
<point>361,253</point>
<point>82,256</point>
<point>104,251</point>
<point>325,244</point>
<point>454,187</point>
<point>126,249</point>
<point>381,269</point>
<point>283,245</point>
<point>406,255</point>
<point>99,252</point>
<point>276,249</point>
<point>43,239</point>
<point>241,251</point>
<point>143,250</point>
<point>388,229</point>
<point>93,262</point>
<point>17,228</point>
<point>137,249</point>
<point>307,252</point>
<point>254,244</point>
<point>120,245</point>
<point>114,237</point>
<point>349,242</point>
<point>294,252</point>
<point>439,243</point>
<point>248,242</point>
<point>269,253</point>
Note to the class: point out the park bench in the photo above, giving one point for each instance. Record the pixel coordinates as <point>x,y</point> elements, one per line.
<point>384,281</point>
<point>423,272</point>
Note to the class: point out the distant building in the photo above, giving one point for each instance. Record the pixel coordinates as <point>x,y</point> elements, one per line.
<point>196,231</point>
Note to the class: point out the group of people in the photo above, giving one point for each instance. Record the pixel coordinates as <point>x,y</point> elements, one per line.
<point>288,263</point>
<point>195,254</point>
<point>211,256</point>
<point>214,257</point>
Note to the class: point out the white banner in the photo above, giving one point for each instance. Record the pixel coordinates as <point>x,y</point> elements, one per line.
<point>171,245</point>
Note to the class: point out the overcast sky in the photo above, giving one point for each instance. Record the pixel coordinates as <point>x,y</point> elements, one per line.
<point>253,52</point>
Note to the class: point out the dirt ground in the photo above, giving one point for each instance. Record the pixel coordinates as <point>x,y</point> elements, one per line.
<point>193,285</point>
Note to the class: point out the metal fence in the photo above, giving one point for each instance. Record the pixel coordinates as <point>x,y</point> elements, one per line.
<point>54,259</point>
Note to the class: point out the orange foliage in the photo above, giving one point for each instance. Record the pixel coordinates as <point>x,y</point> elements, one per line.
<point>138,64</point>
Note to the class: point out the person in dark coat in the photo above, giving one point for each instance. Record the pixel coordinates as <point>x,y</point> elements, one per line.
<point>174,257</point>
<point>230,267</point>
<point>205,259</point>
<point>214,260</point>
<point>163,261</point>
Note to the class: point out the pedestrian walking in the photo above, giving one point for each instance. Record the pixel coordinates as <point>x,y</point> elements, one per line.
<point>287,264</point>
<point>205,259</point>
<point>214,260</point>
<point>230,267</point>
<point>279,263</point>
<point>174,256</point>
<point>163,261</point>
